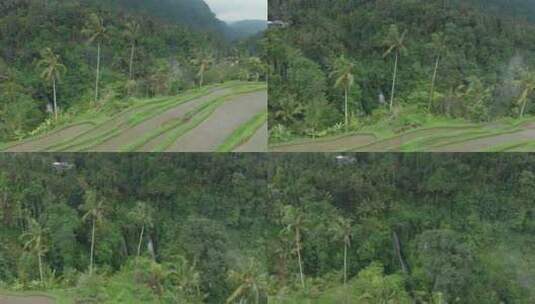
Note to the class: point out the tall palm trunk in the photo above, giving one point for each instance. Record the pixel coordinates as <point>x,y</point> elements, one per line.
<point>345,272</point>
<point>131,68</point>
<point>55,100</point>
<point>523,109</point>
<point>201,77</point>
<point>394,82</point>
<point>40,267</point>
<point>92,248</point>
<point>432,93</point>
<point>98,73</point>
<point>140,239</point>
<point>345,263</point>
<point>298,244</point>
<point>346,109</point>
<point>524,104</point>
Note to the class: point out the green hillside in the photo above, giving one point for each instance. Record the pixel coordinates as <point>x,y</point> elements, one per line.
<point>90,55</point>
<point>401,62</point>
<point>194,228</point>
<point>247,28</point>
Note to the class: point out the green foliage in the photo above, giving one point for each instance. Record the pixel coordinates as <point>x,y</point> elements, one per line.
<point>372,286</point>
<point>290,228</point>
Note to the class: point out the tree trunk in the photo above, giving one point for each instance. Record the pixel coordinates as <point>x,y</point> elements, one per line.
<point>298,244</point>
<point>394,82</point>
<point>345,263</point>
<point>201,78</point>
<point>432,93</point>
<point>92,248</point>
<point>523,108</point>
<point>98,73</point>
<point>140,240</point>
<point>346,110</point>
<point>524,104</point>
<point>345,273</point>
<point>40,267</point>
<point>131,69</point>
<point>55,101</point>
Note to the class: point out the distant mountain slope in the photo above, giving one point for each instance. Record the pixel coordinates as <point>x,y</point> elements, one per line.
<point>194,13</point>
<point>246,28</point>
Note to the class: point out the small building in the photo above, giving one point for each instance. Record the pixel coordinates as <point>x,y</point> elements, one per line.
<point>278,24</point>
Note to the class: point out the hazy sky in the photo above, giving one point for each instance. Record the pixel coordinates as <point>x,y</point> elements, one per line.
<point>234,10</point>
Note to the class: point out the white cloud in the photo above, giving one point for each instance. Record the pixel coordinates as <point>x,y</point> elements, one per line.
<point>234,10</point>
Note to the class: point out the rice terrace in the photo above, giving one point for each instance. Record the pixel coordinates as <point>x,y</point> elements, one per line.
<point>447,137</point>
<point>204,119</point>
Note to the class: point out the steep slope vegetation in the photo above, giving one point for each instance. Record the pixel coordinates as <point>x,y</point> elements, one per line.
<point>479,53</point>
<point>195,228</point>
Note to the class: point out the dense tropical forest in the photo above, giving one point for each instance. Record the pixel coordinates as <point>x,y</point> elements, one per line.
<point>61,59</point>
<point>258,228</point>
<point>340,66</point>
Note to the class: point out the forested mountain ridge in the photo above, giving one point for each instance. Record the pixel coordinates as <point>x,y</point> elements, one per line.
<point>90,53</point>
<point>401,62</point>
<point>194,13</point>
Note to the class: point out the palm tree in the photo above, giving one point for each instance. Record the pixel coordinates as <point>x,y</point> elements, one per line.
<point>251,283</point>
<point>342,230</point>
<point>131,33</point>
<point>438,44</point>
<point>95,30</point>
<point>527,84</point>
<point>34,241</point>
<point>142,215</point>
<point>294,222</point>
<point>343,72</point>
<point>94,211</point>
<point>185,276</point>
<point>52,70</point>
<point>396,45</point>
<point>203,61</point>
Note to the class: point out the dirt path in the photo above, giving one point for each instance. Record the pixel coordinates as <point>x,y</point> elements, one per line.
<point>25,300</point>
<point>130,135</point>
<point>482,144</point>
<point>46,141</point>
<point>228,117</point>
<point>257,143</point>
